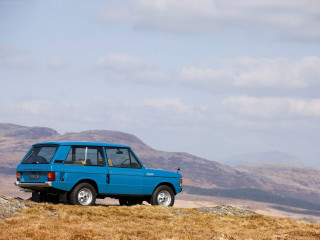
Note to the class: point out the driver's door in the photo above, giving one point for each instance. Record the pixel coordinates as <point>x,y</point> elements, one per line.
<point>125,175</point>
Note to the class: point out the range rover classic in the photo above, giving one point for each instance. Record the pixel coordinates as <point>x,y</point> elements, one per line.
<point>81,172</point>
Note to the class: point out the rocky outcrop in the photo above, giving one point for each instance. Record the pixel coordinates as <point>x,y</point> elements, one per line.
<point>227,210</point>
<point>10,206</point>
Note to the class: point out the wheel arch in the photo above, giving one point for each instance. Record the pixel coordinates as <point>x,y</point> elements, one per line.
<point>90,181</point>
<point>170,185</point>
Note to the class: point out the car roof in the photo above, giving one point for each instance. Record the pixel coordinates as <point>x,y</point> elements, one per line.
<point>82,144</point>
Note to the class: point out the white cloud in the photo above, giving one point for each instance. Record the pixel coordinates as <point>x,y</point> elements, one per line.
<point>238,74</point>
<point>168,103</point>
<point>11,56</point>
<point>7,50</point>
<point>294,18</point>
<point>255,73</point>
<point>34,107</point>
<point>121,63</point>
<point>131,69</point>
<point>17,62</point>
<point>55,63</point>
<point>272,108</point>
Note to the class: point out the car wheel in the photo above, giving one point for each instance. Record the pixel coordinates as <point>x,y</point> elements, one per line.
<point>162,196</point>
<point>83,194</point>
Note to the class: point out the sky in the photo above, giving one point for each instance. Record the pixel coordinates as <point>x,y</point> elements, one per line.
<point>213,78</point>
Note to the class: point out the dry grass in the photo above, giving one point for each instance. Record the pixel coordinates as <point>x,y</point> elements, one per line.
<point>48,221</point>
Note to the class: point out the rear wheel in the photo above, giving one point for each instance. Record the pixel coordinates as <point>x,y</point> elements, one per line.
<point>83,194</point>
<point>163,196</point>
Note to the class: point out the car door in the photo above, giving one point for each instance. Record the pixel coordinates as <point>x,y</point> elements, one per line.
<point>125,175</point>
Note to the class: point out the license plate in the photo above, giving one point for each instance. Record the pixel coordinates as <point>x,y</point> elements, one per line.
<point>34,176</point>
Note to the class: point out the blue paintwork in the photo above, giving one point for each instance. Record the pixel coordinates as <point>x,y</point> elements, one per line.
<point>123,181</point>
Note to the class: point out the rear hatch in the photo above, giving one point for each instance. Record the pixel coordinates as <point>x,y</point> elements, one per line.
<point>33,174</point>
<point>36,164</point>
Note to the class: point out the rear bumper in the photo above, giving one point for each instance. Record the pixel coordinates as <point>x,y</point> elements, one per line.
<point>33,185</point>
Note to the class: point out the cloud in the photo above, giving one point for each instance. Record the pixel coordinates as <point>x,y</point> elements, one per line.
<point>7,50</point>
<point>287,18</point>
<point>126,68</point>
<point>167,103</point>
<point>17,62</point>
<point>242,74</point>
<point>254,73</point>
<point>55,63</point>
<point>11,56</point>
<point>123,63</point>
<point>272,108</point>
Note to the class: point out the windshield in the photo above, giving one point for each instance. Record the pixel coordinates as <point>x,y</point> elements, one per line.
<point>40,155</point>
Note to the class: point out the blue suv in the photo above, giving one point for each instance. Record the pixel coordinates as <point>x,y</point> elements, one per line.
<point>80,172</point>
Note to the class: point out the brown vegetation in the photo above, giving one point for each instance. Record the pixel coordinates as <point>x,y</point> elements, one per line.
<point>48,221</point>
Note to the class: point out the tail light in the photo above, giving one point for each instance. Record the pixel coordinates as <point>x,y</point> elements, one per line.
<point>51,176</point>
<point>180,182</point>
<point>18,176</point>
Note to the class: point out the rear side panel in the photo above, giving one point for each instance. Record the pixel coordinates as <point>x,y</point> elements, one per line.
<point>67,176</point>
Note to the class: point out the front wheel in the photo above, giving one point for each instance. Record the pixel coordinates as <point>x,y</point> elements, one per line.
<point>163,196</point>
<point>83,194</point>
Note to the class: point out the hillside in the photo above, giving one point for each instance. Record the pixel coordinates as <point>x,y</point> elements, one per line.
<point>272,157</point>
<point>297,176</point>
<point>48,221</point>
<point>198,172</point>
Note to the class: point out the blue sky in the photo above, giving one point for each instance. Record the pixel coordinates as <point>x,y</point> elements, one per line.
<point>212,78</point>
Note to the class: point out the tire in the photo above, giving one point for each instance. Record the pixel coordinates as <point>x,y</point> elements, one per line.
<point>83,194</point>
<point>35,197</point>
<point>162,196</point>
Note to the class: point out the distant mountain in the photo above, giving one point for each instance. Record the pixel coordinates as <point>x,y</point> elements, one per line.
<point>197,172</point>
<point>299,177</point>
<point>16,131</point>
<point>272,157</point>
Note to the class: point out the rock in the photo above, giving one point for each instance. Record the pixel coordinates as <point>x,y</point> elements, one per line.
<point>226,210</point>
<point>178,212</point>
<point>9,206</point>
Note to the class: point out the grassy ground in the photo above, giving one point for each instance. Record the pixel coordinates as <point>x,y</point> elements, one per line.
<point>48,221</point>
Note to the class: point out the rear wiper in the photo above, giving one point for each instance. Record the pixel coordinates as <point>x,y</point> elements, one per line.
<point>35,163</point>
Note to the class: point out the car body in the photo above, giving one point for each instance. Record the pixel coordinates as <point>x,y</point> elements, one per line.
<point>80,172</point>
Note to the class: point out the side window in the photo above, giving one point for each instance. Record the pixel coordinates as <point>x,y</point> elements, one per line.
<point>121,158</point>
<point>134,161</point>
<point>86,156</point>
<point>118,157</point>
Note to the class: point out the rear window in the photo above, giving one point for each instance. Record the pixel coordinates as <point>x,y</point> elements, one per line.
<point>40,155</point>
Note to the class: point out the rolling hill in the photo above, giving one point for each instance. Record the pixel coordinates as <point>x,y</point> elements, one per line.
<point>198,172</point>
<point>271,157</point>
